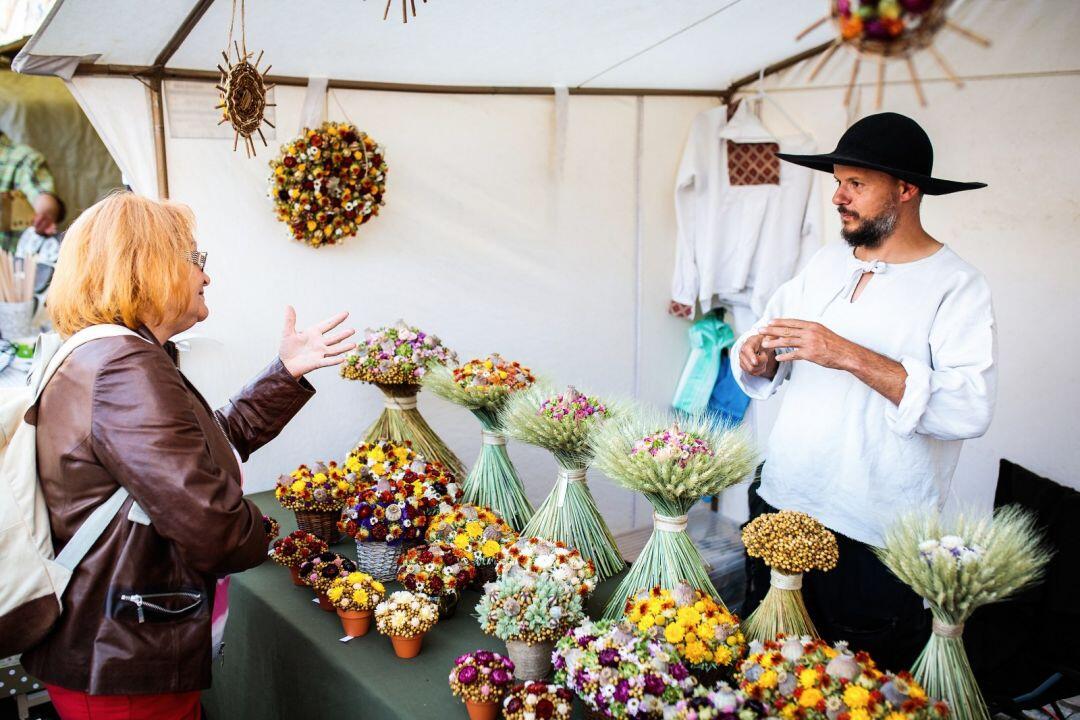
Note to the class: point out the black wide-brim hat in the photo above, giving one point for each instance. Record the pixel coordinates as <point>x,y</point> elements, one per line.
<point>889,142</point>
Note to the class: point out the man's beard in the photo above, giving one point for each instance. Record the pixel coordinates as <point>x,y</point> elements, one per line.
<point>872,232</point>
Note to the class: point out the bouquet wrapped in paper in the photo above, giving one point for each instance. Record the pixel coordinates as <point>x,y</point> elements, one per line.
<point>563,423</point>
<point>395,359</point>
<point>484,386</point>
<point>791,543</point>
<point>809,679</point>
<point>673,466</point>
<point>957,566</point>
<point>705,635</point>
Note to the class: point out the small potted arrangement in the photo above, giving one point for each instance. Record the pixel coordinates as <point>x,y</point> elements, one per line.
<point>538,701</point>
<point>383,519</point>
<point>439,571</point>
<point>619,671</point>
<point>476,530</point>
<point>538,557</point>
<point>481,679</point>
<point>293,549</point>
<point>272,528</point>
<point>705,634</point>
<point>529,613</point>
<point>320,571</point>
<point>316,496</point>
<point>406,617</point>
<point>355,596</point>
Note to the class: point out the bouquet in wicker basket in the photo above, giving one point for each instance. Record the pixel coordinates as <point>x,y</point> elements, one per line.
<point>958,566</point>
<point>316,495</point>
<point>382,519</point>
<point>395,359</point>
<point>434,488</point>
<point>293,549</point>
<point>481,679</point>
<point>406,617</point>
<point>673,465</point>
<point>484,386</point>
<point>355,596</point>
<point>791,543</point>
<point>563,424</point>
<point>439,571</point>
<point>476,530</point>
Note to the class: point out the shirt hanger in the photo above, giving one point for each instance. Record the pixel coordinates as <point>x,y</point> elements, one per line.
<point>761,95</point>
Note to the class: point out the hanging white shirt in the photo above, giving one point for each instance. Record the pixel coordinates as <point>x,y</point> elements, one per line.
<point>736,244</point>
<point>840,451</point>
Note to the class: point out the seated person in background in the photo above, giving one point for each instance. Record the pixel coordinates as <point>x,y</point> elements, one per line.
<point>23,168</point>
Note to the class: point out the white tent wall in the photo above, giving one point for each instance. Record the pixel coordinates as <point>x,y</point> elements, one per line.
<point>477,243</point>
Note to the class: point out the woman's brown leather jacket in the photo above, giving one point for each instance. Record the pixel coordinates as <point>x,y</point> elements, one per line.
<point>118,412</point>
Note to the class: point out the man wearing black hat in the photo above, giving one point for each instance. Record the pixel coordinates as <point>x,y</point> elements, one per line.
<point>887,343</point>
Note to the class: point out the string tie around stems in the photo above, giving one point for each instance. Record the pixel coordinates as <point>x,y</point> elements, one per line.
<point>785,581</point>
<point>492,438</point>
<point>665,523</point>
<point>946,630</point>
<point>566,477</point>
<point>405,402</point>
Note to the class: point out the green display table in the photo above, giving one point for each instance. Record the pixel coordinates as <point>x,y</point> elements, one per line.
<point>284,659</point>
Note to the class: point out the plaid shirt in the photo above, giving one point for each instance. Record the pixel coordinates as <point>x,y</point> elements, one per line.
<point>22,168</point>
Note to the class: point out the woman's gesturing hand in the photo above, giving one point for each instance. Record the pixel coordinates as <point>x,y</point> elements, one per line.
<point>315,347</point>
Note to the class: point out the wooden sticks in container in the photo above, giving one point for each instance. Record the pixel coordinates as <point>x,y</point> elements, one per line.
<point>17,277</point>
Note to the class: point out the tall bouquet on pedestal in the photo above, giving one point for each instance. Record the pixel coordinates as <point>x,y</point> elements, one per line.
<point>957,566</point>
<point>484,386</point>
<point>563,423</point>
<point>673,466</point>
<point>395,359</point>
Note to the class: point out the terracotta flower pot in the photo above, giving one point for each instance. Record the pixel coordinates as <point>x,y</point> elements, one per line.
<point>407,647</point>
<point>482,710</point>
<point>325,604</point>
<point>355,622</point>
<point>295,572</point>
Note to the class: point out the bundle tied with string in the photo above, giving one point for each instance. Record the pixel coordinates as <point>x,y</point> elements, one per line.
<point>791,543</point>
<point>395,359</point>
<point>484,386</point>
<point>673,465</point>
<point>563,424</point>
<point>243,89</point>
<point>957,566</point>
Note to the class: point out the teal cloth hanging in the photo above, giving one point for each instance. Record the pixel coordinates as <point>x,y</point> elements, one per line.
<point>709,336</point>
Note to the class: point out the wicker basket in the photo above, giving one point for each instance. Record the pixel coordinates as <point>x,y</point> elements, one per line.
<point>378,559</point>
<point>531,661</point>
<point>320,523</point>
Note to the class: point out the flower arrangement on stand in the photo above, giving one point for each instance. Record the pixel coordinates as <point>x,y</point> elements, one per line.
<point>293,549</point>
<point>563,424</point>
<point>714,702</point>
<point>481,679</point>
<point>328,182</point>
<point>484,386</point>
<point>619,671</point>
<point>406,617</point>
<point>791,543</point>
<point>807,678</point>
<point>319,571</point>
<point>382,519</point>
<point>395,359</point>
<point>957,566</point>
<point>272,528</point>
<point>673,466</point>
<point>537,557</point>
<point>538,701</point>
<point>355,596</point>
<point>316,496</point>
<point>476,530</point>
<point>529,613</point>
<point>705,635</point>
<point>439,571</point>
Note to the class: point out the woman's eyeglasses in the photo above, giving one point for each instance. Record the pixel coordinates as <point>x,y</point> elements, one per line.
<point>196,258</point>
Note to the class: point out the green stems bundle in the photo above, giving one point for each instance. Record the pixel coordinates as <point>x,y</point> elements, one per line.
<point>673,465</point>
<point>563,423</point>
<point>401,422</point>
<point>484,386</point>
<point>957,566</point>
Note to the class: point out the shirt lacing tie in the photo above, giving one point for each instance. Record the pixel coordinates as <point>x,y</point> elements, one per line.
<point>861,267</point>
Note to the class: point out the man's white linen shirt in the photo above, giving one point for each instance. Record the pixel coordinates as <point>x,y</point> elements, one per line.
<point>840,451</point>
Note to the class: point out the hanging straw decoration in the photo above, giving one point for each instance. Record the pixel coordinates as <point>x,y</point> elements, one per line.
<point>484,386</point>
<point>243,89</point>
<point>673,465</point>
<point>882,30</point>
<point>406,6</point>
<point>563,424</point>
<point>958,566</point>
